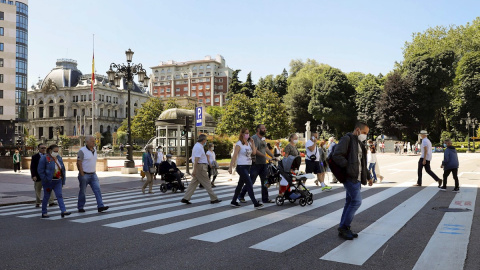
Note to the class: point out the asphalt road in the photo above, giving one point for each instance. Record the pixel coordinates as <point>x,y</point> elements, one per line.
<point>400,227</point>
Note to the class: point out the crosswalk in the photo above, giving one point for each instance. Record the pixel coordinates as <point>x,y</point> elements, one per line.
<point>162,214</point>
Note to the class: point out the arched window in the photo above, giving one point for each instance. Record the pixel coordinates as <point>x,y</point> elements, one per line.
<point>109,129</point>
<point>61,109</point>
<point>50,109</point>
<point>101,128</point>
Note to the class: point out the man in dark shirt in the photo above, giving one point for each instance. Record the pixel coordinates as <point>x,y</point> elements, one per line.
<point>171,172</point>
<point>36,177</point>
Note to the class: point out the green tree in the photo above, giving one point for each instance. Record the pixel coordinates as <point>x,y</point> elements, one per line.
<point>67,141</point>
<point>281,84</point>
<point>143,124</point>
<point>333,100</point>
<point>31,141</point>
<point>368,94</point>
<point>171,104</point>
<point>216,112</point>
<point>295,67</point>
<point>238,113</point>
<point>236,85</point>
<point>270,111</point>
<point>248,88</point>
<point>355,78</point>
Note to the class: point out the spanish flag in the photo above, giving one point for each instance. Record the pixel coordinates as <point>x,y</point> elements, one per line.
<point>93,76</point>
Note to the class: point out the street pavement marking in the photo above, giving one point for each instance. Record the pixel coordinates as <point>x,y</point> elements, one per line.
<point>292,238</point>
<point>176,213</point>
<point>252,224</point>
<point>185,224</point>
<point>447,248</point>
<point>108,215</point>
<point>378,233</point>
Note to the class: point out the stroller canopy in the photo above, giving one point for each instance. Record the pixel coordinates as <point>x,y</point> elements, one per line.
<point>291,163</point>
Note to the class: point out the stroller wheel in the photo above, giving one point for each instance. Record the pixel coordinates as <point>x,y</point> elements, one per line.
<point>279,200</point>
<point>163,188</point>
<point>309,200</point>
<point>174,189</point>
<point>303,202</point>
<point>292,201</point>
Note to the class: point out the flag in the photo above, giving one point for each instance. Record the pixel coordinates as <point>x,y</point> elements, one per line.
<point>93,76</point>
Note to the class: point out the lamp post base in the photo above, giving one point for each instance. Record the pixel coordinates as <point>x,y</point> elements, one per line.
<point>129,170</point>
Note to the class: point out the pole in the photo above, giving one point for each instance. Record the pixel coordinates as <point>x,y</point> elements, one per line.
<point>93,90</point>
<point>129,163</point>
<point>187,128</point>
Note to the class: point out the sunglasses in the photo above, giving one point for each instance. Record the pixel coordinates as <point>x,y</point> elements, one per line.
<point>43,148</point>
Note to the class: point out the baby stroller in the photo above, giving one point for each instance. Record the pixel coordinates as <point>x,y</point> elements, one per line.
<point>273,175</point>
<point>294,188</point>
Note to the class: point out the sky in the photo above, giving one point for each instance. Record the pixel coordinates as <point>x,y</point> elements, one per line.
<point>255,36</point>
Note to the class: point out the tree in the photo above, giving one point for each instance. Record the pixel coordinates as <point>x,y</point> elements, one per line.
<point>333,100</point>
<point>238,113</point>
<point>248,88</point>
<point>143,124</point>
<point>171,104</point>
<point>31,141</point>
<point>467,84</point>
<point>270,111</point>
<point>355,78</point>
<point>236,85</point>
<point>368,93</point>
<point>295,67</point>
<point>281,84</point>
<point>216,112</point>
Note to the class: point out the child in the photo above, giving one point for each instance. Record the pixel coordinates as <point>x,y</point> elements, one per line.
<point>450,164</point>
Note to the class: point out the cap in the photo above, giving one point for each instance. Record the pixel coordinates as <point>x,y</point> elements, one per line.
<point>423,132</point>
<point>169,155</point>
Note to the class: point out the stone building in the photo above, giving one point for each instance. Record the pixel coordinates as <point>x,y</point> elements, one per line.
<point>62,103</point>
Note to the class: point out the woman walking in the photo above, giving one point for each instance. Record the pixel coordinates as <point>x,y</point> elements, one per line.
<point>148,168</point>
<point>16,161</point>
<point>212,163</point>
<point>372,160</point>
<point>52,173</point>
<point>242,156</point>
<point>291,148</point>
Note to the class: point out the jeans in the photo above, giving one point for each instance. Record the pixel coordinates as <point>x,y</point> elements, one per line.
<point>371,170</point>
<point>427,169</point>
<point>256,170</point>
<point>352,202</point>
<point>55,186</point>
<point>446,173</point>
<point>92,180</point>
<point>245,182</point>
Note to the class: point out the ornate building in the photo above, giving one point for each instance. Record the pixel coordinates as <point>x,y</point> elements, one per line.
<point>62,103</point>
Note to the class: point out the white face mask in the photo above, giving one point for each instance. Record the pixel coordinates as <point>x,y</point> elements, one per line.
<point>313,138</point>
<point>169,160</point>
<point>160,150</point>
<point>212,148</point>
<point>295,141</point>
<point>54,154</point>
<point>362,137</point>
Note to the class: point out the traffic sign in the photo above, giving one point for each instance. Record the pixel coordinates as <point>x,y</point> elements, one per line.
<point>199,116</point>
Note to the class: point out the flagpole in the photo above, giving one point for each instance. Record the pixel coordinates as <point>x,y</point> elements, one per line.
<point>93,89</point>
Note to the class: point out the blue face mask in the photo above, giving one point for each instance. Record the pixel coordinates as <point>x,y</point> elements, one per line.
<point>445,145</point>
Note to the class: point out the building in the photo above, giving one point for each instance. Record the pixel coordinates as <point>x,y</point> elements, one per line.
<point>13,69</point>
<point>207,80</point>
<point>63,101</point>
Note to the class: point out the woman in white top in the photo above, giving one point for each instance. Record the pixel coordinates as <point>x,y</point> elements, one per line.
<point>371,160</point>
<point>159,159</point>
<point>212,163</point>
<point>242,156</point>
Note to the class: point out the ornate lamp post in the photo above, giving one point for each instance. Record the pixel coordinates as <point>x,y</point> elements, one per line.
<point>470,122</point>
<point>115,75</point>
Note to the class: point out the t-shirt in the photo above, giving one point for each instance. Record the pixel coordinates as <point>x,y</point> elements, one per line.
<point>245,155</point>
<point>291,150</point>
<point>315,151</point>
<point>159,157</point>
<point>426,142</point>
<point>261,146</point>
<point>211,155</point>
<point>200,153</point>
<point>89,159</point>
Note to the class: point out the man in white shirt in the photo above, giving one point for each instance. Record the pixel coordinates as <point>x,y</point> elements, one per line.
<point>200,172</point>
<point>425,158</point>
<point>87,163</point>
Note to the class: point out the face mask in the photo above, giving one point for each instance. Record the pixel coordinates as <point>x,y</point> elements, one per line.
<point>212,148</point>
<point>54,154</point>
<point>262,133</point>
<point>246,136</point>
<point>169,160</point>
<point>263,138</point>
<point>160,150</point>
<point>445,145</point>
<point>295,141</point>
<point>362,137</point>
<point>313,138</point>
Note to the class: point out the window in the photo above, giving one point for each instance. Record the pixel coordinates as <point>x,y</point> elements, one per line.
<point>62,111</point>
<point>74,113</point>
<point>101,114</point>
<point>207,100</point>
<point>40,112</point>
<point>168,95</point>
<point>200,94</point>
<point>194,68</point>
<point>177,89</point>
<point>208,66</point>
<point>207,86</point>
<point>168,90</point>
<point>50,111</point>
<point>1,31</point>
<point>162,78</point>
<point>177,76</point>
<point>1,47</point>
<point>207,93</point>
<point>194,88</point>
<point>1,107</point>
<point>1,15</point>
<point>217,99</point>
<point>116,114</point>
<point>1,94</point>
<point>185,88</point>
<point>200,100</point>
<point>193,75</point>
<point>155,91</point>
<point>185,76</point>
<point>194,94</point>
<point>200,74</point>
<point>220,80</point>
<point>207,74</point>
<point>1,62</point>
<point>162,90</point>
<point>177,95</point>
<point>220,87</point>
<point>1,78</point>
<point>201,67</point>
<point>200,87</point>
<point>169,77</point>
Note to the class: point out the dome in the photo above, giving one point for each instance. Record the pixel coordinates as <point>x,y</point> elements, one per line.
<point>65,74</point>
<point>177,116</point>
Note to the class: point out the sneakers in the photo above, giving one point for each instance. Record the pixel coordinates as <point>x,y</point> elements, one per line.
<point>258,205</point>
<point>215,201</point>
<point>345,233</point>
<point>443,189</point>
<point>440,183</point>
<point>242,200</point>
<point>354,234</point>
<point>235,204</point>
<point>456,190</point>
<point>326,188</point>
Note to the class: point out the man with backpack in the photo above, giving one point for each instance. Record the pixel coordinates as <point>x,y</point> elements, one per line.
<point>350,161</point>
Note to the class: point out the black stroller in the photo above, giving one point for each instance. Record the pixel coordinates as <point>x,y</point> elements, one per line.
<point>295,188</point>
<point>273,175</point>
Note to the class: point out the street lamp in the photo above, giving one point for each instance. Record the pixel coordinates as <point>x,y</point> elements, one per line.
<point>470,122</point>
<point>115,75</point>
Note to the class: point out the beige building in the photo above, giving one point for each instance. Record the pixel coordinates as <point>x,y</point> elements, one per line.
<point>206,80</point>
<point>63,101</point>
<point>13,68</point>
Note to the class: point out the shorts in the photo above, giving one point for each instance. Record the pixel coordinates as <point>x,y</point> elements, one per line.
<point>313,167</point>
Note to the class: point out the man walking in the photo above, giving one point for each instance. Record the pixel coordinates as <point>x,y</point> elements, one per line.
<point>200,172</point>
<point>87,163</point>
<point>450,164</point>
<point>36,177</point>
<point>259,166</point>
<point>425,158</point>
<point>351,155</point>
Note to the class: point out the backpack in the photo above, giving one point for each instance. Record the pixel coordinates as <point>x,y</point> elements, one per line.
<point>337,171</point>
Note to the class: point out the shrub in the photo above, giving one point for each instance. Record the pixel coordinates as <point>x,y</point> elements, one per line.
<point>223,145</point>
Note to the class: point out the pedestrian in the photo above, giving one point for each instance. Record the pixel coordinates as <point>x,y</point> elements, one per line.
<point>425,158</point>
<point>291,148</point>
<point>450,164</point>
<point>331,145</point>
<point>212,163</point>
<point>52,173</point>
<point>371,160</point>
<point>259,164</point>
<point>314,163</point>
<point>276,150</point>
<point>87,163</point>
<point>37,180</point>
<point>148,168</point>
<point>17,159</point>
<point>351,155</point>
<point>382,147</point>
<point>121,147</point>
<point>171,173</point>
<point>200,172</point>
<point>242,157</point>
<point>323,158</point>
<point>159,159</point>
<point>405,148</point>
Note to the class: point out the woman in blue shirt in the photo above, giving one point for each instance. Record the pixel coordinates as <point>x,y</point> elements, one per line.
<point>148,168</point>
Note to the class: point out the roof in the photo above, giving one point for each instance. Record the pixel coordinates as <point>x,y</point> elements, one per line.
<point>177,116</point>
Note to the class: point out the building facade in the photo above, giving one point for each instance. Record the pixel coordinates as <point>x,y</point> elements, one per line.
<point>62,103</point>
<point>206,80</point>
<point>13,69</point>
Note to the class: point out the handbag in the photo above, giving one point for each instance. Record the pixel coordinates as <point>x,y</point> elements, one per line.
<point>152,170</point>
<point>314,156</point>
